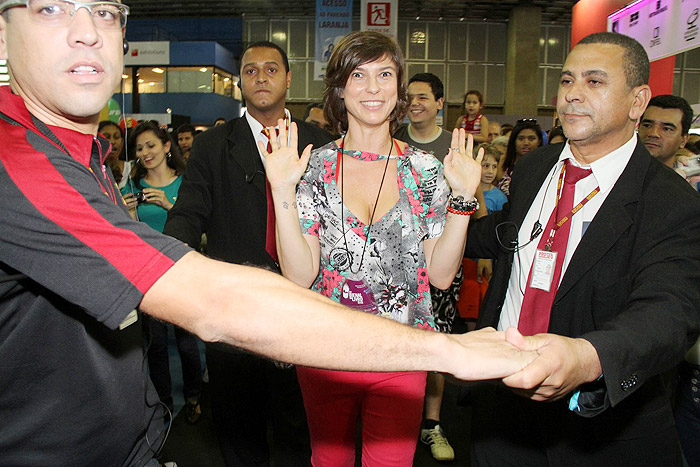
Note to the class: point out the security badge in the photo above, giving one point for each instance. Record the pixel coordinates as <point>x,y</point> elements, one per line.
<point>543,269</point>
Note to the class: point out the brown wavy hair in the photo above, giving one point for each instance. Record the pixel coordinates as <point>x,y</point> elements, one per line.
<point>354,50</point>
<point>176,161</point>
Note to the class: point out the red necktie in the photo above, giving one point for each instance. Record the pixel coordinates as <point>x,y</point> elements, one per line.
<point>270,245</point>
<point>537,303</point>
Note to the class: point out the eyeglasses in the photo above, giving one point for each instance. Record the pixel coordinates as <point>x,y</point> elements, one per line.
<point>105,15</point>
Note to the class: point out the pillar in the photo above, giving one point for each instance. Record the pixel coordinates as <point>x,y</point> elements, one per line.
<point>523,61</point>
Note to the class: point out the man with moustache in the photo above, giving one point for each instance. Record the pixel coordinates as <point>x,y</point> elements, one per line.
<point>225,195</point>
<point>598,263</point>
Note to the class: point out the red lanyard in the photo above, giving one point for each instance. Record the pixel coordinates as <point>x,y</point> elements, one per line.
<point>568,216</point>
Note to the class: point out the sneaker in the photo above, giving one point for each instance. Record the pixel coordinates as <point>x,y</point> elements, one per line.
<point>439,446</point>
<point>193,411</point>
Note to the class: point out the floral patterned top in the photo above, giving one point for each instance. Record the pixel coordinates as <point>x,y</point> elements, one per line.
<point>394,266</point>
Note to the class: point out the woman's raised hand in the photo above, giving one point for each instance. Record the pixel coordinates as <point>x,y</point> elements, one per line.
<point>283,166</point>
<point>462,170</point>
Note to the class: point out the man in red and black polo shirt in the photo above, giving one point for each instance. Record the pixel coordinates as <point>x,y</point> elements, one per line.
<point>73,268</point>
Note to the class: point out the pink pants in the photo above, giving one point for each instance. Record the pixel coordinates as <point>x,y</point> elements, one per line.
<point>390,406</point>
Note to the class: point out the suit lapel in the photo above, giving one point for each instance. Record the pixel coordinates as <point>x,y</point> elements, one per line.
<point>243,151</point>
<point>612,220</point>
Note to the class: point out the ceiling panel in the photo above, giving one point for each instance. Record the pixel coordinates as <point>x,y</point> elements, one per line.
<point>557,12</point>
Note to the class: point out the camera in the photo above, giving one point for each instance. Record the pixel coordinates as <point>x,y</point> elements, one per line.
<point>693,167</point>
<point>140,197</point>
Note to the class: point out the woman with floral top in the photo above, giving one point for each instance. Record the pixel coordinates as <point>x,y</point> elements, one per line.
<point>374,234</point>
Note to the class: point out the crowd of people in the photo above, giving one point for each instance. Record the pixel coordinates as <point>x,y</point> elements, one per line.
<point>335,248</point>
<point>663,129</point>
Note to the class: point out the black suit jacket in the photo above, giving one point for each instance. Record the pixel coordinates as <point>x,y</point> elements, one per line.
<point>223,193</point>
<point>632,287</point>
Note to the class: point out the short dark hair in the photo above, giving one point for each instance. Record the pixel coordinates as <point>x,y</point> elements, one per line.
<point>186,128</point>
<point>434,82</point>
<point>524,124</point>
<point>313,105</point>
<point>554,132</point>
<point>635,58</point>
<point>476,93</point>
<point>694,148</point>
<point>175,161</point>
<point>669,101</point>
<point>353,50</point>
<point>266,45</point>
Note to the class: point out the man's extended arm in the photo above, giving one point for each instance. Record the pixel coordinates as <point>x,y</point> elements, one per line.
<point>267,314</point>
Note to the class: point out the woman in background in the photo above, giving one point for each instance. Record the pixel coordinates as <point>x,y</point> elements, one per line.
<point>149,196</point>
<point>526,136</point>
<point>116,159</point>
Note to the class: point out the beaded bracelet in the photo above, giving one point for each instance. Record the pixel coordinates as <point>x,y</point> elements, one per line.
<point>461,213</point>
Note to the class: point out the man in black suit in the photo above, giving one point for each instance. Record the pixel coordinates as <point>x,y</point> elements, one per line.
<point>223,194</point>
<point>623,297</point>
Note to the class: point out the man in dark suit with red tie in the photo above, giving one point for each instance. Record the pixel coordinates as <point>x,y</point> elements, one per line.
<point>598,260</point>
<point>224,195</point>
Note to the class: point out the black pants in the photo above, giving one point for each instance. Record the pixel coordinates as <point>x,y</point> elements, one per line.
<point>509,430</point>
<point>687,412</point>
<point>159,363</point>
<point>248,394</point>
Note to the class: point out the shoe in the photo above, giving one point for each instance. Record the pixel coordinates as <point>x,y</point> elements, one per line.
<point>192,412</point>
<point>439,446</point>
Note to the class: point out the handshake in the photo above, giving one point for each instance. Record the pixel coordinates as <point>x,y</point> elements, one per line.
<point>541,367</point>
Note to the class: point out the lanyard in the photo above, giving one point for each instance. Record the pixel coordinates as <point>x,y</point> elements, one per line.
<point>567,217</point>
<point>374,210</point>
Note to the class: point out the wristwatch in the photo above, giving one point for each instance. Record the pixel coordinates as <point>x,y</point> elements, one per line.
<point>457,205</point>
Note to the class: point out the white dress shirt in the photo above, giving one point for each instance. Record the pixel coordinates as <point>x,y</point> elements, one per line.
<point>256,128</point>
<point>606,171</point>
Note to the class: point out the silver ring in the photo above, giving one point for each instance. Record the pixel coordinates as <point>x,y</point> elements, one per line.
<point>454,149</point>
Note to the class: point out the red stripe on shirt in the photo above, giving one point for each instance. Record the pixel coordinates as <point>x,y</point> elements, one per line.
<point>49,192</point>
